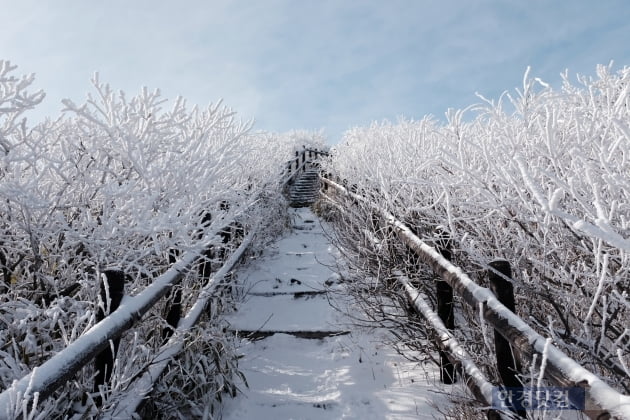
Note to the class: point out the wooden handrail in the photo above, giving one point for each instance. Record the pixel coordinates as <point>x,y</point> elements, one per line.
<point>45,379</point>
<point>317,151</point>
<point>481,387</point>
<point>138,390</point>
<point>560,369</point>
<point>299,167</point>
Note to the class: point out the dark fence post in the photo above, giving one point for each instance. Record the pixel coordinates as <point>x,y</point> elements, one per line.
<point>226,237</point>
<point>174,300</point>
<point>112,290</point>
<point>205,266</point>
<point>174,313</point>
<point>444,294</point>
<point>507,364</point>
<point>5,282</point>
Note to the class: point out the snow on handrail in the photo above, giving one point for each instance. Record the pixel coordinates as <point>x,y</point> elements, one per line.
<point>318,152</point>
<point>142,386</point>
<point>298,168</point>
<point>294,173</point>
<point>447,339</point>
<point>508,324</point>
<point>43,380</point>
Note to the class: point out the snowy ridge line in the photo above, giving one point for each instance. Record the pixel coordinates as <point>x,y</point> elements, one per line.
<point>479,385</point>
<point>141,387</point>
<point>560,368</point>
<point>43,380</point>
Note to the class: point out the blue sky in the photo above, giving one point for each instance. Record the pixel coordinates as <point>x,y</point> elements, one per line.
<point>311,64</point>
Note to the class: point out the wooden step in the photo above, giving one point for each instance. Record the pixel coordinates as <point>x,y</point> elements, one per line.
<point>310,335</point>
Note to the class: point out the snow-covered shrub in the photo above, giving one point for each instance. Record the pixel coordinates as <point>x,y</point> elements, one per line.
<point>15,99</point>
<point>116,182</point>
<point>546,187</point>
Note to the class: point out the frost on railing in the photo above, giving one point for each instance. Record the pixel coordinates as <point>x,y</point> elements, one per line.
<point>538,177</point>
<point>529,344</point>
<point>116,183</point>
<point>307,158</point>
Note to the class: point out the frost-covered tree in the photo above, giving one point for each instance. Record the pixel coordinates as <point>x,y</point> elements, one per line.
<point>545,187</point>
<point>119,182</point>
<point>15,99</point>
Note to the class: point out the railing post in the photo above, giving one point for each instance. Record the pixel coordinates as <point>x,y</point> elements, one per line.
<point>6,280</point>
<point>507,364</point>
<point>444,293</point>
<point>205,266</point>
<point>112,290</point>
<point>174,313</point>
<point>174,303</point>
<point>226,237</point>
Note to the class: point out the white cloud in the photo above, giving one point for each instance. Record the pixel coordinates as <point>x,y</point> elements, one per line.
<point>317,64</point>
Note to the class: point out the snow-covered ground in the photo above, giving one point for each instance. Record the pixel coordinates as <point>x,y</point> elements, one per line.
<point>348,376</point>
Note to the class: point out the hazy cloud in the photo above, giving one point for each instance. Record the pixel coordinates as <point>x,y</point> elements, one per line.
<point>306,64</point>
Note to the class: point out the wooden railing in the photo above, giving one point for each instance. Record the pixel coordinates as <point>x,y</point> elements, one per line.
<point>100,343</point>
<point>304,159</point>
<point>511,332</point>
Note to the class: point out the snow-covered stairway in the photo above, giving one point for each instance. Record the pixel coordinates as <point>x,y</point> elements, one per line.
<point>303,359</point>
<point>286,291</point>
<point>305,190</point>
